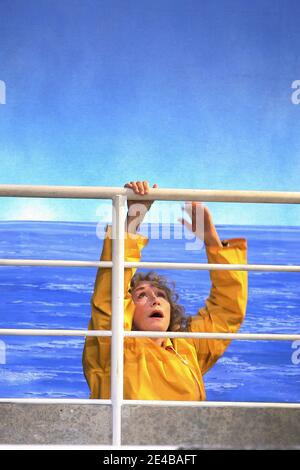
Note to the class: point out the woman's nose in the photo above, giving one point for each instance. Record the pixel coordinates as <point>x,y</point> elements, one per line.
<point>154,300</point>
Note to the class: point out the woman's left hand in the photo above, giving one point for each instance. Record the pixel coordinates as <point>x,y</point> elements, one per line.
<point>201,224</point>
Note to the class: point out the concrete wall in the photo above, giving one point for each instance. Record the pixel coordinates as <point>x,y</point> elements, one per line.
<point>205,428</point>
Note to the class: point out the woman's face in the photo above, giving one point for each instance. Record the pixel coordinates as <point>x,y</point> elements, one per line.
<point>152,308</point>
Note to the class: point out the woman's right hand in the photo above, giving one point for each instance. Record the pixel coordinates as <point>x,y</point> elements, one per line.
<point>138,209</point>
<point>142,188</point>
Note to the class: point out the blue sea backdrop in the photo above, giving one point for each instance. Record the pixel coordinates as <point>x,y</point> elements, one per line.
<point>59,297</point>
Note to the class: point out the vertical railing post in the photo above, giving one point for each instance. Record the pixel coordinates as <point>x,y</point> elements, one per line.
<point>117,341</point>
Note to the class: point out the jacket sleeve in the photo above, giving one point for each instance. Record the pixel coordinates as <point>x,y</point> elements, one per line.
<point>96,353</point>
<point>225,307</point>
<point>101,299</point>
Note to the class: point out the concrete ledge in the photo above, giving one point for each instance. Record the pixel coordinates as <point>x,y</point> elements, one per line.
<point>55,424</point>
<point>213,428</point>
<point>202,428</point>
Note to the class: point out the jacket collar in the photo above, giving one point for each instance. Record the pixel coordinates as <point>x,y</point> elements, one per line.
<point>167,343</point>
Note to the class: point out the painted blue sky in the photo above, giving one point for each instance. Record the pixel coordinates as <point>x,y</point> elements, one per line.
<point>185,93</point>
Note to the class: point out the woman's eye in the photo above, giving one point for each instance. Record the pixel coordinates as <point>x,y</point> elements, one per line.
<point>162,294</point>
<point>141,295</point>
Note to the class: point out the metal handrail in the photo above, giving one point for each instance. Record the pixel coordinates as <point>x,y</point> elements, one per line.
<point>152,334</point>
<point>119,197</point>
<point>153,264</point>
<point>162,403</point>
<point>95,192</point>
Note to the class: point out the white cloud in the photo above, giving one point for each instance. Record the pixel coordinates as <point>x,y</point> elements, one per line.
<point>33,210</point>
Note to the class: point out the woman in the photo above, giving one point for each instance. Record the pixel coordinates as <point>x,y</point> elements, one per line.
<point>163,368</point>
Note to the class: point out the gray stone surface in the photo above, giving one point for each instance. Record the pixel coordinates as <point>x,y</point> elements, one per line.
<point>55,424</point>
<point>202,428</point>
<point>212,428</point>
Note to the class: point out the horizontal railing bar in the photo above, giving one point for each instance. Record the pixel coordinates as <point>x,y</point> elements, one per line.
<point>169,403</point>
<point>153,334</point>
<point>226,336</point>
<point>82,447</point>
<point>155,265</point>
<point>56,401</point>
<point>210,404</point>
<point>95,192</point>
<point>42,332</point>
<point>216,266</point>
<point>54,262</point>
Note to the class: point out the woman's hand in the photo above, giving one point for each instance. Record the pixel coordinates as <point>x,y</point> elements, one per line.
<point>138,209</point>
<point>201,223</point>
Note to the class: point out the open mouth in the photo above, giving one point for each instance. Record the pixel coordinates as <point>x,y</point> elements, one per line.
<point>156,314</point>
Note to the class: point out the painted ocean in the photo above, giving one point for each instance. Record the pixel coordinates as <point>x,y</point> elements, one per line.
<point>51,297</point>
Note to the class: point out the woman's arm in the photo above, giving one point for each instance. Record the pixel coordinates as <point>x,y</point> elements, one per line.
<point>101,300</point>
<point>96,354</point>
<point>201,224</point>
<point>225,307</point>
<point>137,210</point>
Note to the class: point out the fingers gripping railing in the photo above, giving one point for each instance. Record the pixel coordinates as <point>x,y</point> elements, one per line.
<point>119,197</point>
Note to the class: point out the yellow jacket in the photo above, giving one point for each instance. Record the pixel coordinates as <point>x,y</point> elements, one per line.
<point>174,371</point>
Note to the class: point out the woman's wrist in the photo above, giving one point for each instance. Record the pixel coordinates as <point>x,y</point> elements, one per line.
<point>211,237</point>
<point>132,224</point>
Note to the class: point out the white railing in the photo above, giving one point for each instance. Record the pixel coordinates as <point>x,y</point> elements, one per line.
<point>119,197</point>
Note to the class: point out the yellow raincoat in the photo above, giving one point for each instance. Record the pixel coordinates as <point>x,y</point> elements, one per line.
<point>173,371</point>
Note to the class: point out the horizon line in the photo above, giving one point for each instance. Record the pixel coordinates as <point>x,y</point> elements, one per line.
<point>78,222</point>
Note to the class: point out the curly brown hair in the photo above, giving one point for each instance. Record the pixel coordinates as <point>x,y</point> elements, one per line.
<point>179,321</point>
